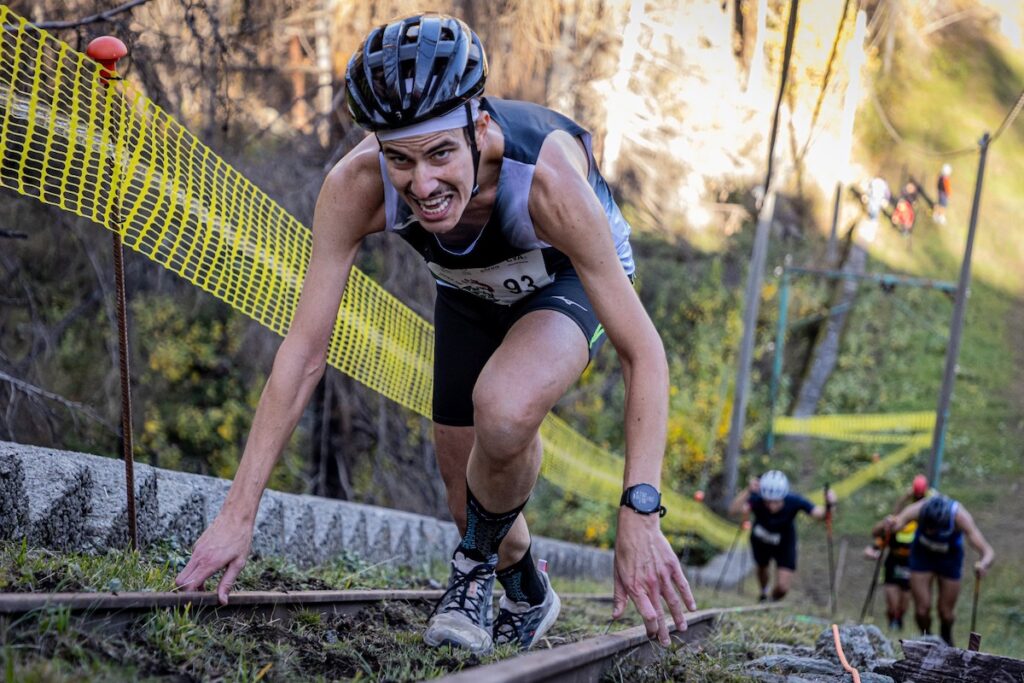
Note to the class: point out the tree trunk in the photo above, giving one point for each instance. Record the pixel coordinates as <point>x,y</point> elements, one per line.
<point>616,117</point>
<point>324,75</point>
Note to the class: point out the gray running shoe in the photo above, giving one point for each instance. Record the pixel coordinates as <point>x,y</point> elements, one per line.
<point>521,624</point>
<point>464,615</point>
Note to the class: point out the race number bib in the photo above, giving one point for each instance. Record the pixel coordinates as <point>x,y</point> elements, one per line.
<point>765,536</point>
<point>934,546</point>
<point>503,283</point>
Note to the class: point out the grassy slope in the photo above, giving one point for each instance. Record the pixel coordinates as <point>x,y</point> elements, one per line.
<point>946,99</point>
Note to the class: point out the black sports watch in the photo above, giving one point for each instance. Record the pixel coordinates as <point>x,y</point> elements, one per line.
<point>644,499</point>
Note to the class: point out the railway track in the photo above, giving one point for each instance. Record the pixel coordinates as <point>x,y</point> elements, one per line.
<point>587,660</point>
<point>113,612</point>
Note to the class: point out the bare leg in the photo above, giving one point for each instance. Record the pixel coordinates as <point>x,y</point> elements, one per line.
<point>541,356</point>
<point>896,600</point>
<point>783,582</point>
<point>921,588</point>
<point>762,577</point>
<point>453,445</point>
<point>949,591</point>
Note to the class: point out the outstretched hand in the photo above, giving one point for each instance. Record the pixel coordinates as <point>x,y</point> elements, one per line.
<point>224,545</point>
<point>646,570</point>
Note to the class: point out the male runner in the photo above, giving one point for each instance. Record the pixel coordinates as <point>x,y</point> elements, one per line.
<point>897,559</point>
<point>773,535</point>
<point>505,203</point>
<point>937,556</point>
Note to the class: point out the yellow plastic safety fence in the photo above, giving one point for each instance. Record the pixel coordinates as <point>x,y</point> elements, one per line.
<point>912,430</point>
<point>111,155</point>
<point>867,428</point>
<point>845,488</point>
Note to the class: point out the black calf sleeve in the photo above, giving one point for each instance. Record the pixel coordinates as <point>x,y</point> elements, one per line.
<point>946,631</point>
<point>485,530</point>
<point>522,581</point>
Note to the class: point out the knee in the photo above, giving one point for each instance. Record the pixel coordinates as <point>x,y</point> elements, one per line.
<point>505,425</point>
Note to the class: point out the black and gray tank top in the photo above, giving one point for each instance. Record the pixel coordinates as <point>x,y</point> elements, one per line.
<point>507,260</point>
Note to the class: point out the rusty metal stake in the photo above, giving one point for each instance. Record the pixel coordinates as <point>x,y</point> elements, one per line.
<point>107,50</point>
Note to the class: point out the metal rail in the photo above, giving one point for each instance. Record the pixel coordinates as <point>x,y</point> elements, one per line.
<point>110,612</point>
<point>588,659</point>
<point>113,612</point>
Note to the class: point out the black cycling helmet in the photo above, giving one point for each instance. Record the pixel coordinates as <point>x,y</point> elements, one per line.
<point>412,69</point>
<point>937,513</point>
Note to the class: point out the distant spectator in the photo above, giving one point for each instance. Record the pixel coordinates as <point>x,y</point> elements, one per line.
<point>904,215</point>
<point>943,189</point>
<point>878,196</point>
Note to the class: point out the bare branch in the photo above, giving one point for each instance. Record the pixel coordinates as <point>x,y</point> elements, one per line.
<point>14,235</point>
<point>94,19</point>
<point>36,392</point>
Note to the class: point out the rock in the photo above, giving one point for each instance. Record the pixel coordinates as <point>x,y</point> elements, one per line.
<point>787,664</point>
<point>862,645</point>
<point>782,649</point>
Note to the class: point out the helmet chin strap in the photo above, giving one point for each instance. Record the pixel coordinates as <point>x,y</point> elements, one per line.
<point>471,130</point>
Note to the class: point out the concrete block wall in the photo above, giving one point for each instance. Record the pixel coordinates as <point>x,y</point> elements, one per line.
<point>75,501</point>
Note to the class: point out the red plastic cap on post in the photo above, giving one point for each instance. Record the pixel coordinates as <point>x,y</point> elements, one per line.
<point>698,496</point>
<point>107,50</point>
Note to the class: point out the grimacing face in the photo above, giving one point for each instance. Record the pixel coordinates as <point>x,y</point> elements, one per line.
<point>434,175</point>
<point>774,505</point>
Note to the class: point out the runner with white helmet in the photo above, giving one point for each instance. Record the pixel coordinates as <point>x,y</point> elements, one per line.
<point>773,534</point>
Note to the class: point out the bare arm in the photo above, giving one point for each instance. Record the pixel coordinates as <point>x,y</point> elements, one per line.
<point>898,521</point>
<point>740,505</point>
<point>349,207</point>
<point>819,512</point>
<point>965,522</point>
<point>568,215</point>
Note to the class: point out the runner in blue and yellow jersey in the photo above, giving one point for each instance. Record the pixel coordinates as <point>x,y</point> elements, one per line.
<point>937,556</point>
<point>897,545</point>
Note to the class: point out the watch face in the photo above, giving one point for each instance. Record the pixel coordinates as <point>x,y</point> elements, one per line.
<point>645,498</point>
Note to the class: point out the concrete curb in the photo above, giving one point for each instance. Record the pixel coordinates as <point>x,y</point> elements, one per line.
<point>75,501</point>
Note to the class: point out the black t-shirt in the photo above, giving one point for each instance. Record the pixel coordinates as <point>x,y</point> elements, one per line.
<point>777,528</point>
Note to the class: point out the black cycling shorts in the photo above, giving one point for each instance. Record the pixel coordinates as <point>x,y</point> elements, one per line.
<point>897,571</point>
<point>468,329</point>
<point>784,553</point>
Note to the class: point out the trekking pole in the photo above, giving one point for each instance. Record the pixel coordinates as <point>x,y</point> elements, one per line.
<point>874,578</point>
<point>688,537</point>
<point>728,558</point>
<point>974,607</point>
<point>831,563</point>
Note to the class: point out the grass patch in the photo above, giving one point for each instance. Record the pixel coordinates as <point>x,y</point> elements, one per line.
<point>379,644</point>
<point>24,569</point>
